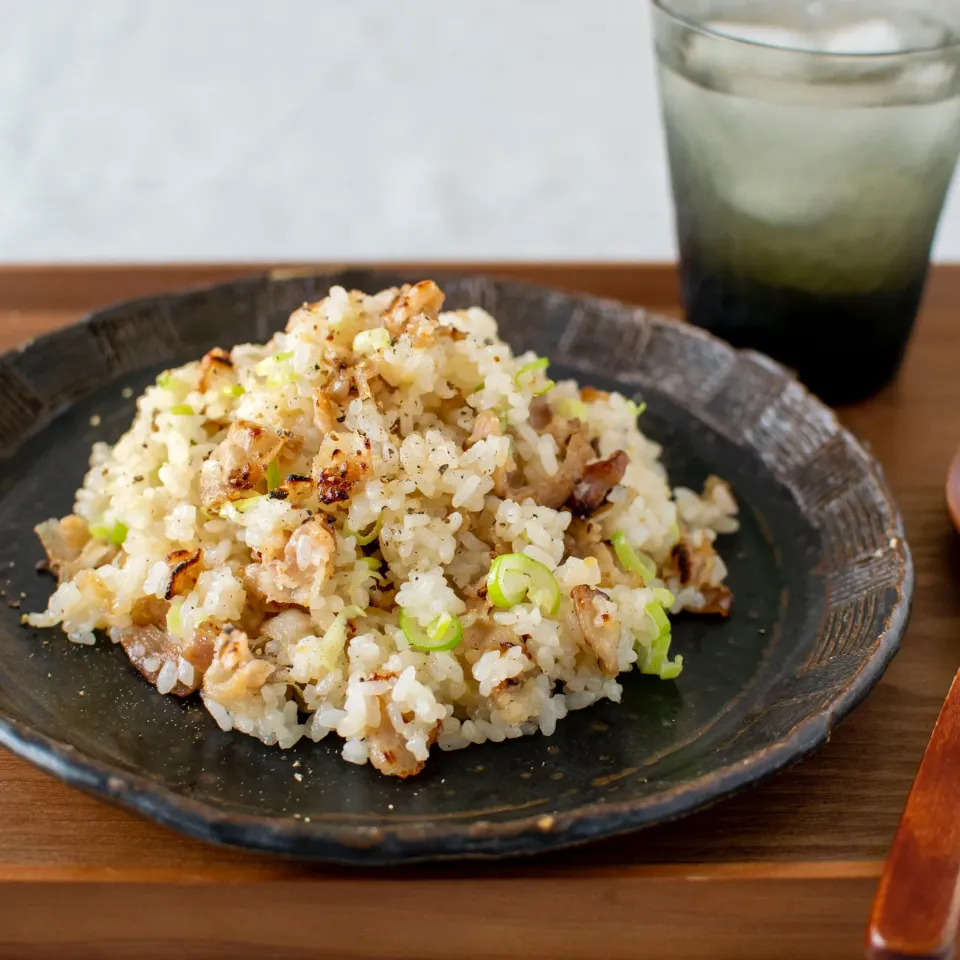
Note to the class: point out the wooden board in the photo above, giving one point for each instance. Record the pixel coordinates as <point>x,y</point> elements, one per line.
<point>785,870</point>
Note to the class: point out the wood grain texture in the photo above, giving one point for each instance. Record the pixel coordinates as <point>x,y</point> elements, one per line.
<point>836,812</point>
<point>496,918</point>
<point>917,907</point>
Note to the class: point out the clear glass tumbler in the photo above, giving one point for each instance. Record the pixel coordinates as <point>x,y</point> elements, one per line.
<point>811,146</point>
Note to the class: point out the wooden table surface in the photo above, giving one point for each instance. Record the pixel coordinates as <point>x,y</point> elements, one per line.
<point>785,870</point>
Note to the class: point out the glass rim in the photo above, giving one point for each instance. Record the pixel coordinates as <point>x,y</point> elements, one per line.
<point>664,6</point>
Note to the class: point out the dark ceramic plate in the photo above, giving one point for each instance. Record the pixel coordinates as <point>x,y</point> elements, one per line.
<point>820,572</point>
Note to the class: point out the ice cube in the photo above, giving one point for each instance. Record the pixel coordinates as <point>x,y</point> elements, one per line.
<point>724,63</point>
<point>868,36</point>
<point>769,35</point>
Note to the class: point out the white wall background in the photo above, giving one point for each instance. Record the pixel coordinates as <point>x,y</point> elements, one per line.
<point>333,129</point>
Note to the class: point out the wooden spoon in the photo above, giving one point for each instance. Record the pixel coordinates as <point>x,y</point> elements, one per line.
<point>953,490</point>
<point>917,908</point>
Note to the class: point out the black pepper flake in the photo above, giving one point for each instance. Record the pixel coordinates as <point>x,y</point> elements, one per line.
<point>443,468</point>
<point>341,419</point>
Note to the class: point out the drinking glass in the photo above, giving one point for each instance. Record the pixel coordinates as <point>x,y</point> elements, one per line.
<point>811,147</point>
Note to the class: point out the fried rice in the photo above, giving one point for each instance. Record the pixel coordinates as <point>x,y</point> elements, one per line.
<point>384,525</point>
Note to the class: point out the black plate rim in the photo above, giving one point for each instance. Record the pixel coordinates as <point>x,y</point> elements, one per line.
<point>426,840</point>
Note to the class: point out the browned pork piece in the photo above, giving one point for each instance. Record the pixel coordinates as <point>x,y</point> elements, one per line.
<point>389,752</point>
<point>239,463</point>
<point>234,672</point>
<point>597,480</point>
<point>414,310</point>
<point>215,365</point>
<point>185,567</point>
<point>582,482</point>
<point>151,649</point>
<point>70,547</point>
<point>601,631</point>
<point>691,566</point>
<point>305,563</point>
<point>343,461</point>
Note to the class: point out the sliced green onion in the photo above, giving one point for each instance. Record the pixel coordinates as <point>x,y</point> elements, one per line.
<point>115,534</point>
<point>572,409</point>
<point>241,506</point>
<point>234,390</point>
<point>182,410</point>
<point>635,408</point>
<point>268,365</point>
<point>365,538</point>
<point>444,633</point>
<point>660,620</point>
<point>673,533</point>
<point>373,565</point>
<point>664,597</point>
<point>541,363</point>
<point>174,623</point>
<point>165,380</point>
<point>632,561</point>
<point>333,641</point>
<point>656,662</point>
<point>514,576</point>
<point>371,341</point>
<point>671,669</point>
<point>527,375</point>
<point>273,475</point>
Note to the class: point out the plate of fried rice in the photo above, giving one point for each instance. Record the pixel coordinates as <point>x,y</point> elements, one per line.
<point>374,568</point>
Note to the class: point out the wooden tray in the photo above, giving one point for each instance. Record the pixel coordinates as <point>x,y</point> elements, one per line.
<point>786,870</point>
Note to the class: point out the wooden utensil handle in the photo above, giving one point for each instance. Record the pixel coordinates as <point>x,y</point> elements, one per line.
<point>916,911</point>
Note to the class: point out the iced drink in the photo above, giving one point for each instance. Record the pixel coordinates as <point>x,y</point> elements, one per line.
<point>811,147</point>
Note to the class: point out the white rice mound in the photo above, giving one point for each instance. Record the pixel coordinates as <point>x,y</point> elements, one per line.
<point>301,621</point>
